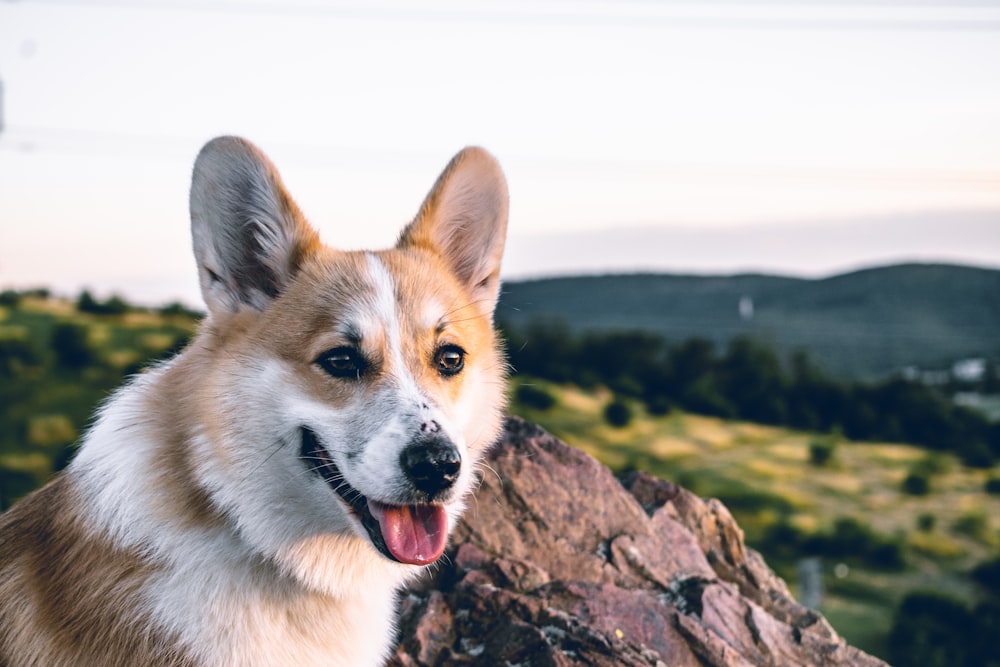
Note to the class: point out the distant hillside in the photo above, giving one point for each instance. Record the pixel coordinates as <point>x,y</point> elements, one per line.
<point>857,325</point>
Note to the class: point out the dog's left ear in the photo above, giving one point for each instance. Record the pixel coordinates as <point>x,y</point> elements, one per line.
<point>464,219</point>
<point>249,236</point>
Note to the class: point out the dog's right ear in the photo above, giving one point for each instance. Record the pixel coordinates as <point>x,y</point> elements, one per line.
<point>249,236</point>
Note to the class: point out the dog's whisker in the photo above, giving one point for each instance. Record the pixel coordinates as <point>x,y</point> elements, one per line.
<point>277,448</point>
<point>495,473</point>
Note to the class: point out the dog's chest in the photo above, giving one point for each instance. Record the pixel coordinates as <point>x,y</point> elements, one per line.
<point>348,636</point>
<point>228,618</point>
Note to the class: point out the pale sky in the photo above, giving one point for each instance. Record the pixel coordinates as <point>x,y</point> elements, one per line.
<point>663,120</point>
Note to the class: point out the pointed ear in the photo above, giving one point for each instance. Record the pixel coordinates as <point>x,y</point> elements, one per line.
<point>464,220</point>
<point>249,236</point>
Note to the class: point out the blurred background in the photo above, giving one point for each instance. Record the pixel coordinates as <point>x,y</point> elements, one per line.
<point>754,247</point>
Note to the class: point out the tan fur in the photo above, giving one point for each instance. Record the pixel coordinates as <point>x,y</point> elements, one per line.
<point>69,593</point>
<point>189,530</point>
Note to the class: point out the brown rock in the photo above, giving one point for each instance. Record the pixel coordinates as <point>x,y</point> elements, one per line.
<point>559,563</point>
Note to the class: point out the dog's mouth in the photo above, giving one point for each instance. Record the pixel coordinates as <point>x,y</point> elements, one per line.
<point>414,534</point>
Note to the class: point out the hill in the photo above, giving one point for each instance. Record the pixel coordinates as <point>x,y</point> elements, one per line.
<point>858,325</point>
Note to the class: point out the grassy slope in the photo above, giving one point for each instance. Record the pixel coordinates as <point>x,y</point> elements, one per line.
<point>44,410</point>
<point>764,475</point>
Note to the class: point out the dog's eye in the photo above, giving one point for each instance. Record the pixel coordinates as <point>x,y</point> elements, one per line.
<point>450,360</point>
<point>343,362</point>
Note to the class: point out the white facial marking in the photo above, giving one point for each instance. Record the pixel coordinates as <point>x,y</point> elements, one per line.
<point>406,404</point>
<point>388,315</point>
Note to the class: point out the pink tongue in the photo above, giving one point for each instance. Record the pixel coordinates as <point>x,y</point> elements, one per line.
<point>414,534</point>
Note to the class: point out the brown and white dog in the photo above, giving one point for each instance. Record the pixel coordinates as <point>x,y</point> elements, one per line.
<point>258,499</point>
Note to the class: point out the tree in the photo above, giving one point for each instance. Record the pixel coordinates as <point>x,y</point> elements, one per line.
<point>815,402</point>
<point>619,359</point>
<point>932,630</point>
<point>545,348</point>
<point>691,361</point>
<point>115,305</point>
<point>917,484</point>
<point>618,413</point>
<point>86,303</point>
<point>69,342</point>
<point>750,378</point>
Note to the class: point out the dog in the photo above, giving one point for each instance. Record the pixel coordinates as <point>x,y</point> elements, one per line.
<point>260,498</point>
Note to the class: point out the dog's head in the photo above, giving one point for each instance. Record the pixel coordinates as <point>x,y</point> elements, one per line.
<point>348,395</point>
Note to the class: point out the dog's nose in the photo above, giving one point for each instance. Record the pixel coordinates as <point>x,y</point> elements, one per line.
<point>431,464</point>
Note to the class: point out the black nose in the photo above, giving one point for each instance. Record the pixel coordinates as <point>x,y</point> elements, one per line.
<point>432,464</point>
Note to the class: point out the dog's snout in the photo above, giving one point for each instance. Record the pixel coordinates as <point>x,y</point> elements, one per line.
<point>432,464</point>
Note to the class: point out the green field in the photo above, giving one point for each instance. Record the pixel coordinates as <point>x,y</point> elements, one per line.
<point>767,478</point>
<point>56,365</point>
<point>793,492</point>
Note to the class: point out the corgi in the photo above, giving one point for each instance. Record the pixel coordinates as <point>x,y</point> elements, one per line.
<point>260,498</point>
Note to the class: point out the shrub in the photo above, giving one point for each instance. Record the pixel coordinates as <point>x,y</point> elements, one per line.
<point>178,308</point>
<point>618,413</point>
<point>976,454</point>
<point>821,452</point>
<point>992,486</point>
<point>930,630</point>
<point>116,305</point>
<point>934,630</point>
<point>86,303</point>
<point>917,484</point>
<point>10,298</point>
<point>69,342</point>
<point>887,555</point>
<point>852,539</point>
<point>783,539</point>
<point>535,397</point>
<point>987,574</point>
<point>926,522</point>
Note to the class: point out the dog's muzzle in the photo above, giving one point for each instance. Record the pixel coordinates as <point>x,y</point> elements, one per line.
<point>413,533</point>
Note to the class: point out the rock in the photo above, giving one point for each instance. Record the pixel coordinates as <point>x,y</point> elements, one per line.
<point>559,563</point>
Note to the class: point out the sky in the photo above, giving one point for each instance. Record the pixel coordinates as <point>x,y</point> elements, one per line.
<point>803,138</point>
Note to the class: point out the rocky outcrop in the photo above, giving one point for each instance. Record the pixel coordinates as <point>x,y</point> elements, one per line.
<point>560,563</point>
